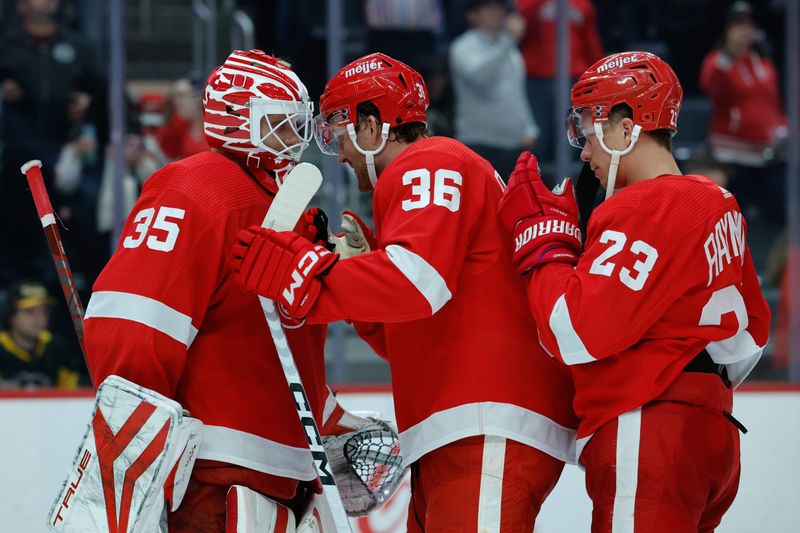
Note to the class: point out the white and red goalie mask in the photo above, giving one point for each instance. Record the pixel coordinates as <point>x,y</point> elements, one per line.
<point>257,110</point>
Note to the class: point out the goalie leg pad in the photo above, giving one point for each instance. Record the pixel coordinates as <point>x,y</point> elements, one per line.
<point>136,441</point>
<point>248,511</point>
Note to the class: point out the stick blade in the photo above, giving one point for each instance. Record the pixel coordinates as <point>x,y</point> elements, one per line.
<point>297,190</point>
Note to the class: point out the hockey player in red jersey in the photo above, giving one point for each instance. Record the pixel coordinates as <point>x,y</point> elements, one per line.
<point>484,415</point>
<point>659,317</point>
<point>164,313</point>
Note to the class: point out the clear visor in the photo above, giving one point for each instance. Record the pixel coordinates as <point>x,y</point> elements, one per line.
<point>327,133</point>
<point>281,127</point>
<point>580,124</point>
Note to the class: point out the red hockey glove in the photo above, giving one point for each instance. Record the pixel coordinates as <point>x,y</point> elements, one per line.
<point>356,237</point>
<point>282,266</point>
<point>313,225</point>
<point>544,223</point>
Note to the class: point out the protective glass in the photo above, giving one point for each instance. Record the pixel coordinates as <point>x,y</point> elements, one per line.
<point>288,126</point>
<point>579,123</point>
<point>327,133</point>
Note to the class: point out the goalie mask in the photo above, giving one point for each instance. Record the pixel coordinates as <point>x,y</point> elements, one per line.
<point>257,110</point>
<point>397,90</point>
<point>643,81</point>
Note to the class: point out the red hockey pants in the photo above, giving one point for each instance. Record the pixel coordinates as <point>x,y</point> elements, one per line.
<point>484,483</point>
<point>671,466</point>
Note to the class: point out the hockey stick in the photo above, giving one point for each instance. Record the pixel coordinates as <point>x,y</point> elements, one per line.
<point>33,172</point>
<point>288,205</point>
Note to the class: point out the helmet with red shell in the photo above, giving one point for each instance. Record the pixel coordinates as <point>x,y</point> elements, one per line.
<point>397,90</point>
<point>641,80</point>
<point>249,88</point>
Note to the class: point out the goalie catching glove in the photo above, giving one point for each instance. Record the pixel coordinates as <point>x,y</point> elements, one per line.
<point>367,464</point>
<point>544,223</point>
<point>282,266</point>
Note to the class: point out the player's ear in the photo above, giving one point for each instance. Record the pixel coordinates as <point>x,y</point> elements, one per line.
<point>627,127</point>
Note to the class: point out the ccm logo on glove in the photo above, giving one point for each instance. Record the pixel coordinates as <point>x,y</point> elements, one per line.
<point>302,270</point>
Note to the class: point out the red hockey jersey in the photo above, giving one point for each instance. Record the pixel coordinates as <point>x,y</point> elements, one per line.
<point>453,320</point>
<point>666,273</point>
<point>166,314</point>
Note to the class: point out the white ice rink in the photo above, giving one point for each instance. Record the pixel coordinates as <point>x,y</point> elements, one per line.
<point>39,437</point>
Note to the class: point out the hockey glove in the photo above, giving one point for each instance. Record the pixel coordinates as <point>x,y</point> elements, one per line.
<point>356,237</point>
<point>543,223</point>
<point>282,266</point>
<point>313,225</point>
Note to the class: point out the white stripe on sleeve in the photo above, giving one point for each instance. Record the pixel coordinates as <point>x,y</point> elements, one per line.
<point>629,426</point>
<point>421,274</point>
<point>144,310</point>
<point>572,349</point>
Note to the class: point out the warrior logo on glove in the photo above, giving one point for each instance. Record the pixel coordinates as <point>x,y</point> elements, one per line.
<point>544,223</point>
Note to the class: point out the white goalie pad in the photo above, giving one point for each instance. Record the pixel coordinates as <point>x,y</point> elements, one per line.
<point>247,511</point>
<point>367,464</point>
<point>318,518</point>
<point>138,451</point>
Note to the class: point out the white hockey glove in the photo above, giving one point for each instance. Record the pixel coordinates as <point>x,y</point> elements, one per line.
<point>367,464</point>
<point>356,237</point>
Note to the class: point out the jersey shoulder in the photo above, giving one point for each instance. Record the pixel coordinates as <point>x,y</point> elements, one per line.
<point>671,201</point>
<point>434,153</point>
<point>208,182</point>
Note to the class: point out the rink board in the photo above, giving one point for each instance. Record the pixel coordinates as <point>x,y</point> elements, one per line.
<point>40,431</point>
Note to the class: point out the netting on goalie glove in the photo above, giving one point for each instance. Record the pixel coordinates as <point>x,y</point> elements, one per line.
<point>367,465</point>
<point>374,455</point>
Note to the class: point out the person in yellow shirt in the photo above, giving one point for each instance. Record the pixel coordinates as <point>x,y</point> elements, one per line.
<point>30,355</point>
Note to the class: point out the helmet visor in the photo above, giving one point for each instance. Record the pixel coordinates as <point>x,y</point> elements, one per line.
<point>281,127</point>
<point>580,123</point>
<point>328,132</point>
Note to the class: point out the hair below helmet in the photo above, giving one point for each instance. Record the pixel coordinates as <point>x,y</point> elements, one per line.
<point>249,105</point>
<point>642,80</point>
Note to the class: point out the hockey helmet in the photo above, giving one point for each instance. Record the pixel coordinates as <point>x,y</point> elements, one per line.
<point>397,90</point>
<point>641,80</point>
<point>249,89</point>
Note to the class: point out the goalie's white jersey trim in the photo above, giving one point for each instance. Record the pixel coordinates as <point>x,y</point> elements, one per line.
<point>488,418</point>
<point>422,275</point>
<point>144,310</point>
<point>572,349</point>
<point>256,453</point>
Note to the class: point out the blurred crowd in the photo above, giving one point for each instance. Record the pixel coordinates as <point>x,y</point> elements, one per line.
<point>490,67</point>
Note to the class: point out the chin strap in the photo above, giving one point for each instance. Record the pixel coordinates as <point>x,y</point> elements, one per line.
<point>615,154</point>
<point>370,154</point>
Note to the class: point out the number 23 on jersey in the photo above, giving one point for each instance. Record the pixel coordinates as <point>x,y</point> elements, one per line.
<point>646,260</point>
<point>163,233</point>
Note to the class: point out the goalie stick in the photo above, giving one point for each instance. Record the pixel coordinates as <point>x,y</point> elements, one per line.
<point>295,193</point>
<point>32,170</point>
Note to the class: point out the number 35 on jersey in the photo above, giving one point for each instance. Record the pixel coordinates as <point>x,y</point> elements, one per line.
<point>158,229</point>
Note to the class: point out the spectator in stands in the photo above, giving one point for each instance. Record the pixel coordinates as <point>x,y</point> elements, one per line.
<point>49,84</point>
<point>182,134</point>
<point>539,51</point>
<point>406,30</point>
<point>30,355</point>
<point>140,162</point>
<point>492,113</point>
<point>748,124</point>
